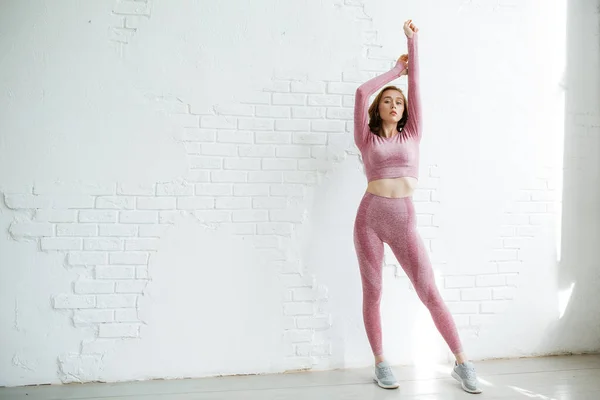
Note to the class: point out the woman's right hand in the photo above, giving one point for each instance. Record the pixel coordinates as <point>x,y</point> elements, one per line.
<point>404,58</point>
<point>410,29</point>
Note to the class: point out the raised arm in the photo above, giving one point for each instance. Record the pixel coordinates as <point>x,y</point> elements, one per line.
<point>361,101</point>
<point>414,123</point>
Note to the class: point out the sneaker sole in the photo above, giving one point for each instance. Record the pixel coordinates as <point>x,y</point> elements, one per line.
<point>394,386</point>
<point>466,389</point>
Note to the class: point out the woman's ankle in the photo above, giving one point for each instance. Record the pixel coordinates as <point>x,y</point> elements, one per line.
<point>460,357</point>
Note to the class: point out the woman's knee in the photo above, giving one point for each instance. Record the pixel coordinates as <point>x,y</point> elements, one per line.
<point>431,297</point>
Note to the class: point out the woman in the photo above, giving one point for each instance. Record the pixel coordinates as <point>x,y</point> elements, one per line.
<point>388,139</point>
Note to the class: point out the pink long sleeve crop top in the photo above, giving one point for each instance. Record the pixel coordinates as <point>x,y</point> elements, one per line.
<point>397,156</point>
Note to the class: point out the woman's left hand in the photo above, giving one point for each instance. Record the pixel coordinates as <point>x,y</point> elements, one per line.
<point>410,29</point>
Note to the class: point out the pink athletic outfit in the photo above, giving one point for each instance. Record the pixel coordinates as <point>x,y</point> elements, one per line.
<point>382,220</point>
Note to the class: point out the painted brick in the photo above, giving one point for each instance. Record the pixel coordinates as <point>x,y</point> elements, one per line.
<point>233,202</point>
<point>218,122</point>
<point>292,125</point>
<point>116,202</point>
<point>324,100</point>
<point>70,202</point>
<point>250,216</point>
<point>76,230</point>
<point>213,189</point>
<point>306,178</point>
<point>69,301</point>
<point>195,203</point>
<point>287,190</point>
<point>256,124</point>
<point>294,151</point>
<point>321,322</point>
<point>128,258</point>
<point>308,87</point>
<point>131,286</point>
<point>299,308</point>
<point>243,110</point>
<point>156,203</point>
<point>142,244</point>
<point>341,88</point>
<point>298,335</point>
<point>276,164</point>
<point>289,99</point>
<point>490,280</point>
<point>503,293</point>
<point>174,189</point>
<point>309,138</point>
<point>257,151</point>
<point>340,113</point>
<point>273,112</point>
<point>269,202</point>
<point>139,217</point>
<point>86,258</point>
<point>61,244</point>
<point>136,189</point>
<point>475,294</point>
<point>56,215</point>
<point>199,135</point>
<point>228,176</point>
<point>235,137</point>
<point>328,126</point>
<point>93,287</point>
<point>265,177</point>
<point>97,216</point>
<point>106,244</point>
<point>314,165</point>
<point>116,301</point>
<point>141,272</point>
<point>308,112</point>
<point>89,317</point>
<point>31,229</point>
<point>126,315</point>
<point>272,138</point>
<point>117,230</point>
<point>242,164</point>
<point>463,308</point>
<point>26,201</point>
<point>253,189</point>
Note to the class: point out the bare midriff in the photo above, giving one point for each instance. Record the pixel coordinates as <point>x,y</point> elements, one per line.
<point>393,187</point>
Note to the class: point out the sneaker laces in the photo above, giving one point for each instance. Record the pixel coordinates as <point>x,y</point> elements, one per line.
<point>469,372</point>
<point>386,372</point>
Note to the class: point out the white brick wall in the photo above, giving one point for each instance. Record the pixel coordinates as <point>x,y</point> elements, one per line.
<point>255,156</point>
<point>253,167</point>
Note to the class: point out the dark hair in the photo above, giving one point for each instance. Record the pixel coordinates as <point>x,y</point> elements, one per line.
<point>374,117</point>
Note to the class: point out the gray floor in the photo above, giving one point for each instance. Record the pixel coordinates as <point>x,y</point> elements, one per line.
<point>548,378</point>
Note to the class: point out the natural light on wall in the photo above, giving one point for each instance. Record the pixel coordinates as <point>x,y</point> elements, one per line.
<point>559,75</point>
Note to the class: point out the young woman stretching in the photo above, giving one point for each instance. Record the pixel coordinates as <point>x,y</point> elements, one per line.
<point>388,134</point>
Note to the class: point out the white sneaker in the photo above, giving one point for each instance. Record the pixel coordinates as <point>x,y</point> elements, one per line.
<point>465,374</point>
<point>384,376</point>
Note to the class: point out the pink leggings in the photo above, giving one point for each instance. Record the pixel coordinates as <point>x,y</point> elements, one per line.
<point>392,220</point>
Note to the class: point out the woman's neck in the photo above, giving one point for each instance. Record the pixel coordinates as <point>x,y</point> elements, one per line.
<point>388,130</point>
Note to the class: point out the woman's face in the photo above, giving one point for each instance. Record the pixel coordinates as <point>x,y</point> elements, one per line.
<point>391,106</point>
